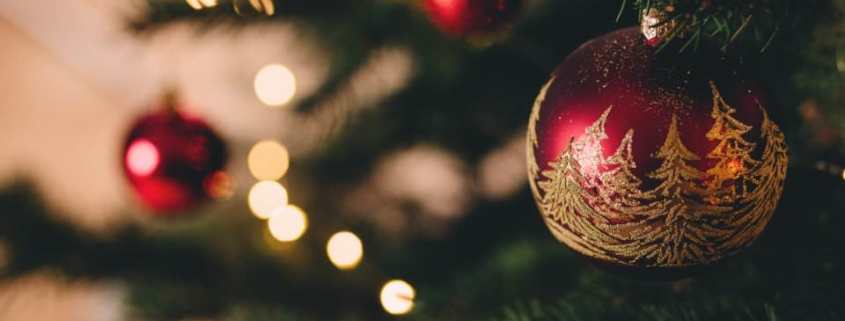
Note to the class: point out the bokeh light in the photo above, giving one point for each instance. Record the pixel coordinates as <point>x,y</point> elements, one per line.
<point>265,197</point>
<point>843,174</point>
<point>288,223</point>
<point>266,6</point>
<point>345,250</point>
<point>397,297</point>
<point>268,160</point>
<point>219,185</point>
<point>201,4</point>
<point>142,158</point>
<point>275,85</point>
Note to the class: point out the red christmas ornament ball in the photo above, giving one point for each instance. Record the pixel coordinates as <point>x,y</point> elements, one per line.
<point>472,17</point>
<point>174,161</point>
<point>654,161</point>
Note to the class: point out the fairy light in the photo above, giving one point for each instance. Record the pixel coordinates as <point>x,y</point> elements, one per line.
<point>269,8</point>
<point>195,4</point>
<point>265,197</point>
<point>201,4</point>
<point>288,223</point>
<point>275,85</point>
<point>264,5</point>
<point>397,297</point>
<point>268,160</point>
<point>345,250</point>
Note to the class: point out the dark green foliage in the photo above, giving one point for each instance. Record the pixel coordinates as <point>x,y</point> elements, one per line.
<point>499,262</point>
<point>728,20</point>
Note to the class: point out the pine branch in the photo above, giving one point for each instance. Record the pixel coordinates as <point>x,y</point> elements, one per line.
<point>729,20</point>
<point>721,309</point>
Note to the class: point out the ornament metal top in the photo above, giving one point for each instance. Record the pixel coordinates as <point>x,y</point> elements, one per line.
<point>653,161</point>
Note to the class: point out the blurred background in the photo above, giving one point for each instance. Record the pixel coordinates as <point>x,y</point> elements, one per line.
<point>402,147</point>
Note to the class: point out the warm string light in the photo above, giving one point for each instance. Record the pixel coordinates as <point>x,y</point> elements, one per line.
<point>397,297</point>
<point>265,6</point>
<point>832,168</point>
<point>275,85</point>
<point>201,4</point>
<point>268,160</point>
<point>288,223</point>
<point>345,250</point>
<point>265,197</point>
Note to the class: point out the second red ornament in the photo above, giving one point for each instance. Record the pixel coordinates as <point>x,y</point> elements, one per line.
<point>174,161</point>
<point>472,18</point>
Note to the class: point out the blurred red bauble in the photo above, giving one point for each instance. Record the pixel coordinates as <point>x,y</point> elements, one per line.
<point>650,161</point>
<point>472,17</point>
<point>174,161</point>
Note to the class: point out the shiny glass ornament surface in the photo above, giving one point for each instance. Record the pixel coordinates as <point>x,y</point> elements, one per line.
<point>173,161</point>
<point>654,161</point>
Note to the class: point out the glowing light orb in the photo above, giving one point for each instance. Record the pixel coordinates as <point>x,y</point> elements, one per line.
<point>219,185</point>
<point>288,223</point>
<point>142,157</point>
<point>201,4</point>
<point>268,160</point>
<point>265,197</point>
<point>345,250</point>
<point>275,85</point>
<point>397,297</point>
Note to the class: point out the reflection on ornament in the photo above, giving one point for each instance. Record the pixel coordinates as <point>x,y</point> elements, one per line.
<point>287,223</point>
<point>219,185</point>
<point>275,85</point>
<point>265,197</point>
<point>142,157</point>
<point>397,297</point>
<point>345,250</point>
<point>268,160</point>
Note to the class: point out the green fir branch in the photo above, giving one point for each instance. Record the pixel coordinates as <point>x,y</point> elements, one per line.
<point>728,20</point>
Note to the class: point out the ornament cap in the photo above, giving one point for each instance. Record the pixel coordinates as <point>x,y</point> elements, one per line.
<point>171,98</point>
<point>655,26</point>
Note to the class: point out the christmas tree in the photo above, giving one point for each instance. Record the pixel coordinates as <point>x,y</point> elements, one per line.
<point>377,163</point>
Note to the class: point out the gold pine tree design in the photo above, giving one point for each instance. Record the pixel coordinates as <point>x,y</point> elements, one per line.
<point>733,153</point>
<point>533,167</point>
<point>595,204</point>
<point>567,204</point>
<point>677,232</point>
<point>762,200</point>
<point>590,152</point>
<point>620,190</point>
